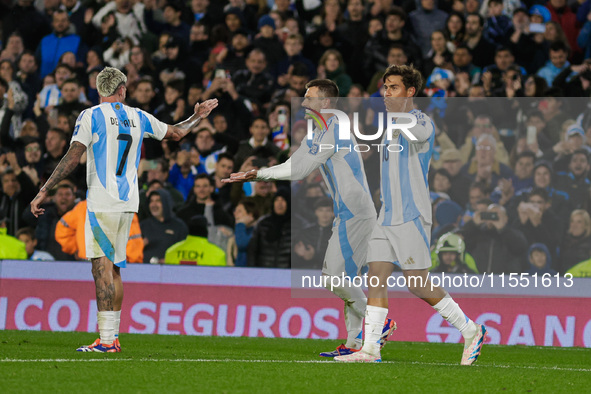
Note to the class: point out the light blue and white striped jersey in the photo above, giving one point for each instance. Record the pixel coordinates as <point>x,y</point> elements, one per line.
<point>51,96</point>
<point>342,169</point>
<point>208,162</point>
<point>113,134</point>
<point>404,186</point>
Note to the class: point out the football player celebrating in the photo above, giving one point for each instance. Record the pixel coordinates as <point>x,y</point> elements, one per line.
<point>343,172</point>
<point>403,230</point>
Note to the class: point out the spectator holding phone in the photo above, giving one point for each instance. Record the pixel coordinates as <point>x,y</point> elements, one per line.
<point>279,123</point>
<point>495,246</point>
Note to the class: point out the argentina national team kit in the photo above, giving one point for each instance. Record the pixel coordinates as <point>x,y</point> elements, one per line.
<point>343,172</point>
<point>107,130</point>
<point>403,229</point>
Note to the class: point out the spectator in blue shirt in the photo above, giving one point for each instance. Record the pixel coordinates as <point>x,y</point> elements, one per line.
<point>246,215</point>
<point>559,54</point>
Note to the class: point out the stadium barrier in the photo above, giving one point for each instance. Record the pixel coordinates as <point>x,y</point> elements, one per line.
<point>224,301</point>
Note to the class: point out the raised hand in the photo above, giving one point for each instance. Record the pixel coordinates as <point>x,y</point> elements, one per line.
<point>206,107</point>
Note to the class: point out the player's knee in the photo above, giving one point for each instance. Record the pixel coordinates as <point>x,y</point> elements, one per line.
<point>416,289</point>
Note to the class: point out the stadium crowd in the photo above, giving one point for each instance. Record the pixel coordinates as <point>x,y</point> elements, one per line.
<point>507,84</point>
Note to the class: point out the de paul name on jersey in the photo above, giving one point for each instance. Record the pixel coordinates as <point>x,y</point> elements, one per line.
<point>126,123</point>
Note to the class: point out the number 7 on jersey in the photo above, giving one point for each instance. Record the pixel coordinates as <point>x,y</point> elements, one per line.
<point>123,157</point>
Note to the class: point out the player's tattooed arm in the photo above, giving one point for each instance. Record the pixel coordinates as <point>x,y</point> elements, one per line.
<point>68,163</point>
<point>179,130</point>
<point>63,169</point>
<point>189,123</point>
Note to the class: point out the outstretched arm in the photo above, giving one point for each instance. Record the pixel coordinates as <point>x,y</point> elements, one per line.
<point>179,130</point>
<point>292,170</point>
<point>63,169</point>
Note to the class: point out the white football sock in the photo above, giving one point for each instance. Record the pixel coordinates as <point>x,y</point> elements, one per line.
<point>117,323</point>
<point>355,303</point>
<point>106,325</point>
<point>451,311</point>
<point>375,317</point>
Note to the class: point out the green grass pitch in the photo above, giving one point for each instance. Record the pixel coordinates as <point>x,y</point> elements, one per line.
<point>32,362</point>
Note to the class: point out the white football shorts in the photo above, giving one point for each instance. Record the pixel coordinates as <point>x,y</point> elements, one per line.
<point>347,248</point>
<point>406,244</point>
<point>106,234</point>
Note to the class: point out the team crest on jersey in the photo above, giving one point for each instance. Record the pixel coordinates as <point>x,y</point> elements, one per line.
<point>117,107</point>
<point>314,149</point>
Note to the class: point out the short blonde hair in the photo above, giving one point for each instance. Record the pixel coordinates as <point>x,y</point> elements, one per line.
<point>109,80</point>
<point>586,218</point>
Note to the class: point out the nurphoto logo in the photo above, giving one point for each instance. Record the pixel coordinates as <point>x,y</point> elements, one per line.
<point>396,123</point>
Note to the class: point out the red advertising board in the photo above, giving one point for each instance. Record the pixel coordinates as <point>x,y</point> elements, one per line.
<point>32,297</point>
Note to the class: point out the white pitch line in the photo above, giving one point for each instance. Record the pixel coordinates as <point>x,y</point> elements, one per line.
<point>228,360</point>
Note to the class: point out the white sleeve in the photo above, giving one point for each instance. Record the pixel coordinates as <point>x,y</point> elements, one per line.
<point>152,126</point>
<point>83,128</point>
<point>280,172</point>
<point>285,171</point>
<point>305,159</point>
<point>422,131</point>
